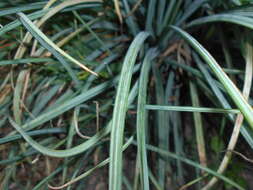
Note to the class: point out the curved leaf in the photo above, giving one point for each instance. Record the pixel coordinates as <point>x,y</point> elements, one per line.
<point>119,112</point>
<point>231,18</point>
<point>230,87</point>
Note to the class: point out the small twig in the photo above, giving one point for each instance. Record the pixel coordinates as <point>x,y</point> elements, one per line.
<point>137,4</point>
<point>193,182</point>
<point>62,186</point>
<point>240,154</point>
<point>36,159</point>
<point>77,129</point>
<point>118,12</point>
<point>169,50</point>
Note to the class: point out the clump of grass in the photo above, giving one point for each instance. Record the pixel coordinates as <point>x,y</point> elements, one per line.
<point>87,84</point>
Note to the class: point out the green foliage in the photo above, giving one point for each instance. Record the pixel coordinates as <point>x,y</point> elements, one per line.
<point>217,144</point>
<point>233,172</point>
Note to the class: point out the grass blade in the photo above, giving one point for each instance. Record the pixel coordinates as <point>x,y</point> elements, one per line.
<point>33,133</point>
<point>191,109</point>
<point>150,16</point>
<point>25,61</point>
<point>231,89</point>
<point>48,44</point>
<point>198,126</point>
<point>162,128</point>
<point>61,153</point>
<point>231,18</point>
<point>119,113</point>
<point>16,23</point>
<point>178,140</point>
<point>142,118</point>
<point>223,101</point>
<point>130,21</point>
<point>22,8</point>
<point>17,110</point>
<point>239,119</point>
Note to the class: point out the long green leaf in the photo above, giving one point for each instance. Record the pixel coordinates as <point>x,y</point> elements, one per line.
<point>16,23</point>
<point>51,46</point>
<point>162,124</point>
<point>232,18</point>
<point>220,96</point>
<point>142,119</point>
<point>119,113</point>
<point>191,109</point>
<point>198,126</point>
<point>61,153</point>
<point>230,87</point>
<point>33,133</point>
<point>27,60</point>
<point>27,7</point>
<point>17,111</point>
<point>150,16</point>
